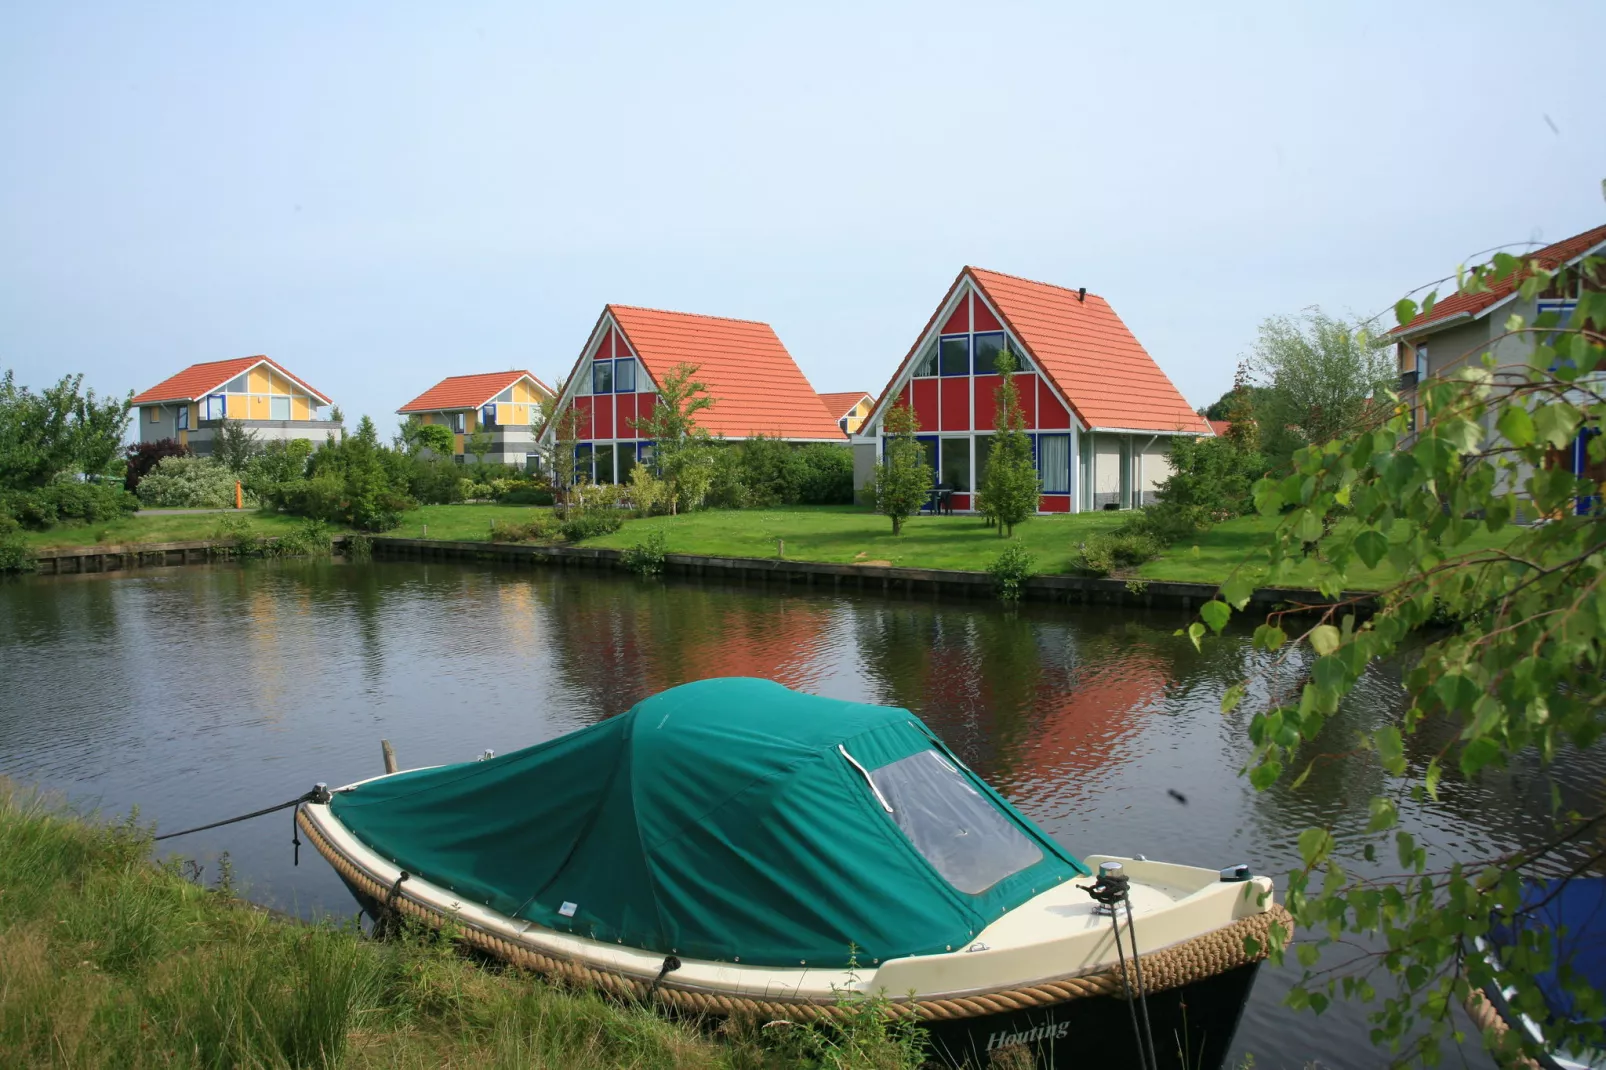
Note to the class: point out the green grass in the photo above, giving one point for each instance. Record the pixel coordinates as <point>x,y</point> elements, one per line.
<point>1210,556</point>
<point>154,527</point>
<point>107,961</point>
<point>461,523</point>
<point>852,535</point>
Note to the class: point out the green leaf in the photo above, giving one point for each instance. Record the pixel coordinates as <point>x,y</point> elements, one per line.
<point>1516,426</point>
<point>1195,633</point>
<point>1405,845</point>
<point>1215,614</point>
<point>1478,753</point>
<point>1265,775</point>
<point>1404,311</point>
<point>1430,779</point>
<point>1232,696</point>
<point>1390,749</point>
<point>1371,547</point>
<point>1556,423</point>
<point>1269,637</point>
<point>1324,639</point>
<point>1300,779</point>
<point>1237,590</point>
<point>1314,845</point>
<point>1381,814</point>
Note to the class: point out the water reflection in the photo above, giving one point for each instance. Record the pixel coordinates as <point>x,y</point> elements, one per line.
<point>201,692</point>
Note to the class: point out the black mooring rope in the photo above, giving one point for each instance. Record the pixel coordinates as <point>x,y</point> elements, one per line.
<point>1109,890</point>
<point>319,794</point>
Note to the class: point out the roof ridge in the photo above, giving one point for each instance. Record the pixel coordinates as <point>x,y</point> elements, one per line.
<point>696,315</point>
<point>1035,282</point>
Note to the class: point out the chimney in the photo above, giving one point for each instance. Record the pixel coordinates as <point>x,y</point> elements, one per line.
<point>1081,294</point>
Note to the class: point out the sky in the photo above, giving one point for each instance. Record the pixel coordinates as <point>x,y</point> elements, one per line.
<point>379,195</point>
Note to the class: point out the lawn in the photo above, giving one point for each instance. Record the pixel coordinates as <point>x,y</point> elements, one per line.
<point>847,534</point>
<point>155,526</point>
<point>460,523</point>
<point>1209,557</point>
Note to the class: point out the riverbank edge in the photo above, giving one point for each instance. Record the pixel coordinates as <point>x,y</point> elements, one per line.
<point>889,579</point>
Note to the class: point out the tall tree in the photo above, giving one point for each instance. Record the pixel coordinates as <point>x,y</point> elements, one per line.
<point>903,479</point>
<point>556,454</point>
<point>1316,375</point>
<point>235,445</point>
<point>1010,486</point>
<point>1501,629</point>
<point>677,439</point>
<point>61,429</point>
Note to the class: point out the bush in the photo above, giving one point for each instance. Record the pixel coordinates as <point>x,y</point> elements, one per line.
<point>1010,571</point>
<point>648,493</point>
<point>1123,548</point>
<point>727,479</point>
<point>278,462</point>
<point>522,491</point>
<point>67,501</point>
<point>14,553</point>
<point>827,475</point>
<point>143,456</point>
<point>541,526</point>
<point>646,558</point>
<point>188,483</point>
<point>587,523</point>
<point>771,472</point>
<point>434,480</point>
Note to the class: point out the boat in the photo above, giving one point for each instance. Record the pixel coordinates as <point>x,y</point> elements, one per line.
<point>731,847</point>
<point>1572,909</point>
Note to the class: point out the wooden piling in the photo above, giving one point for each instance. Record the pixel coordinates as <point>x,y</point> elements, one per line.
<point>390,755</point>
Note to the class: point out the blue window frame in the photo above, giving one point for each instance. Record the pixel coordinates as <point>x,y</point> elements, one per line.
<point>602,377</point>
<point>953,355</point>
<point>988,346</point>
<point>488,416</point>
<point>1052,455</point>
<point>183,419</point>
<point>624,375</point>
<point>216,407</point>
<point>582,461</point>
<point>644,454</point>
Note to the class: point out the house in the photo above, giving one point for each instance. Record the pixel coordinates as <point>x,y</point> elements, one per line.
<point>504,406</point>
<point>1100,411</point>
<point>1219,427</point>
<point>849,408</point>
<point>256,392</point>
<point>757,387</point>
<point>1464,326</point>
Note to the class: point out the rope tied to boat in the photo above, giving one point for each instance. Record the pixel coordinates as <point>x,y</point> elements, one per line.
<point>671,962</point>
<point>318,794</point>
<point>1113,887</point>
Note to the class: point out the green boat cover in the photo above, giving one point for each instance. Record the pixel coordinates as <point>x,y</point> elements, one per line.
<point>729,819</point>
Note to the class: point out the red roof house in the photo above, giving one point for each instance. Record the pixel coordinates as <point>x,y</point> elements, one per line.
<point>257,392</point>
<point>506,406</point>
<point>757,387</point>
<point>849,407</point>
<point>1100,410</point>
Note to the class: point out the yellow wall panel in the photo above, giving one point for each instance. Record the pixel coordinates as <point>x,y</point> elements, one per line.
<point>258,382</point>
<point>300,409</point>
<point>259,408</point>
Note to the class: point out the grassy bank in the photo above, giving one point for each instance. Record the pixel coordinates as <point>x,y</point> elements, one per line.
<point>155,527</point>
<point>109,961</point>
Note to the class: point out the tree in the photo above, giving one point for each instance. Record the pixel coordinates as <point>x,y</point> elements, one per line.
<point>417,436</point>
<point>144,456</point>
<point>676,437</point>
<point>235,445</point>
<point>478,444</point>
<point>1010,486</point>
<point>1316,375</point>
<point>902,480</point>
<point>556,452</point>
<point>59,430</point>
<point>1512,672</point>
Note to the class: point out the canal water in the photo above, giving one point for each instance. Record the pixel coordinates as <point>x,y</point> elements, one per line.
<point>203,692</point>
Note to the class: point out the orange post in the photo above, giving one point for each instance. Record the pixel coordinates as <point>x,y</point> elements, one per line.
<point>239,496</point>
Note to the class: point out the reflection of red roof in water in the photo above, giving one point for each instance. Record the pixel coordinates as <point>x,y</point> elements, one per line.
<point>780,641</point>
<point>1078,728</point>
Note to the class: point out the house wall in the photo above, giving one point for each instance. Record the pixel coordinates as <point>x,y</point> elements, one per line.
<point>317,432</point>
<point>606,419</point>
<point>864,461</point>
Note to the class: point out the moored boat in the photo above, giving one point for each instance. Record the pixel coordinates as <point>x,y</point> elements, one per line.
<point>732,847</point>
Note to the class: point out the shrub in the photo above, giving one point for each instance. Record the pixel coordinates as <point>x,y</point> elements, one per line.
<point>278,462</point>
<point>587,523</point>
<point>14,553</point>
<point>646,558</point>
<point>540,526</point>
<point>1010,571</point>
<point>188,483</point>
<point>434,480</point>
<point>1123,548</point>
<point>648,493</point>
<point>827,475</point>
<point>143,456</point>
<point>522,491</point>
<point>727,480</point>
<point>67,501</point>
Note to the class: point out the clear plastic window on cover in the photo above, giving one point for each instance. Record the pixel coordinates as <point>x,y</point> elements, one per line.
<point>955,827</point>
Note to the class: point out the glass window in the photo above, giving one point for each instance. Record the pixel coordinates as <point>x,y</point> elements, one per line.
<point>505,396</point>
<point>183,418</point>
<point>604,456</point>
<point>644,453</point>
<point>216,407</point>
<point>967,840</point>
<point>458,422</point>
<point>488,416</point>
<point>984,450</point>
<point>1054,463</point>
<point>988,346</point>
<point>237,385</point>
<point>954,355</point>
<point>582,462</point>
<point>1023,363</point>
<point>626,453</point>
<point>1421,362</point>
<point>956,463</point>
<point>928,446</point>
<point>154,414</point>
<point>624,376</point>
<point>602,377</point>
<point>278,408</point>
<point>926,363</point>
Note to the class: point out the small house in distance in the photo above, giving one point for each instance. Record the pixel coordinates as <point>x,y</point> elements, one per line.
<point>256,392</point>
<point>504,405</point>
<point>757,387</point>
<point>1100,412</point>
<point>849,408</point>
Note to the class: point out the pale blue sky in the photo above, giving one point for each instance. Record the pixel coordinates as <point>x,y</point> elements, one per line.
<point>381,194</point>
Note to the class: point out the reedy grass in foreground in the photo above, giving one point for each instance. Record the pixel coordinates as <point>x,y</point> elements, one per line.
<point>107,960</point>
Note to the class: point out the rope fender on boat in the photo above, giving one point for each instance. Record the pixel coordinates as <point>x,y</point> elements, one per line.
<point>1192,960</point>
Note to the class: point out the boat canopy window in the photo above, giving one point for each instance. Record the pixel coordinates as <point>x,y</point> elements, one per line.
<point>958,829</point>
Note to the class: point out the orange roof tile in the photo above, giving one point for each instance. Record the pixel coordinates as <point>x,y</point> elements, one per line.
<point>840,404</point>
<point>757,386</point>
<point>1085,350</point>
<point>467,391</point>
<point>1461,305</point>
<point>199,380</point>
<point>1220,427</point>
